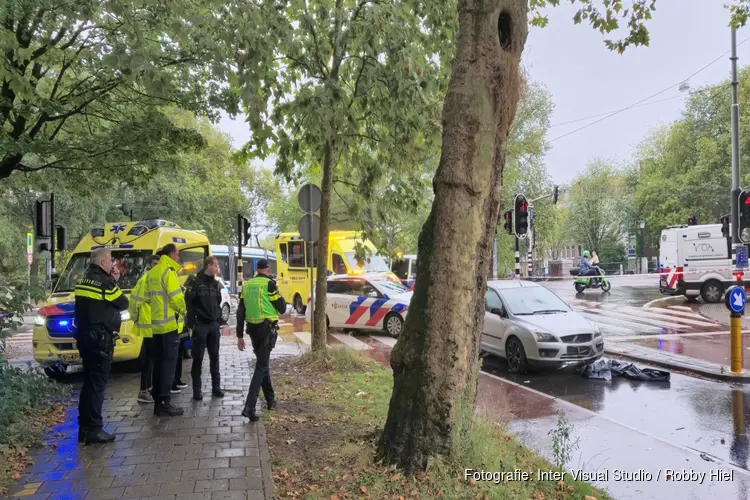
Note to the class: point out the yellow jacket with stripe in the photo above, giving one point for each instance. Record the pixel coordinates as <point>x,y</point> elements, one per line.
<point>140,309</point>
<point>98,302</point>
<point>166,298</point>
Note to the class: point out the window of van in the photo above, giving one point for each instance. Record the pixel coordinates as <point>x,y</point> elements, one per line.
<point>282,250</point>
<point>296,254</point>
<point>132,264</point>
<point>191,260</point>
<point>223,266</point>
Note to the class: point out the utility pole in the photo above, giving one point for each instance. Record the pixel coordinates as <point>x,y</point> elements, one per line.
<point>735,116</point>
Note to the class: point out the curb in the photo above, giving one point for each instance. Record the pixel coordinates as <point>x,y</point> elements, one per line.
<point>677,365</point>
<point>265,462</point>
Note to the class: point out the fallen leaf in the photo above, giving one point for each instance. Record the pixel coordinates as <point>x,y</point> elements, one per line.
<point>395,477</point>
<point>363,489</point>
<point>291,441</point>
<point>335,497</point>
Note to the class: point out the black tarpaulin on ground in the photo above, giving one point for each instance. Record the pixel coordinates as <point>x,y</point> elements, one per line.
<point>605,369</point>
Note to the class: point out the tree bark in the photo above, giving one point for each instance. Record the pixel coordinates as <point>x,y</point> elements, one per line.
<point>435,361</point>
<point>321,280</point>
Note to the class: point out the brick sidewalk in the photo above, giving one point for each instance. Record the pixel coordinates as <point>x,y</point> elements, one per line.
<point>210,453</point>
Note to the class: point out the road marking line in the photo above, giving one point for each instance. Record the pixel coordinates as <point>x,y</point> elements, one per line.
<point>601,317</point>
<point>662,324</point>
<point>671,335</point>
<point>668,315</point>
<point>350,341</point>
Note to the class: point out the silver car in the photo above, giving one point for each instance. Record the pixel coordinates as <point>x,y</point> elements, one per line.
<point>532,327</point>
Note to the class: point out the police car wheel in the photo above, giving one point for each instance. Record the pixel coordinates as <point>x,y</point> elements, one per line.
<point>393,324</point>
<point>225,313</point>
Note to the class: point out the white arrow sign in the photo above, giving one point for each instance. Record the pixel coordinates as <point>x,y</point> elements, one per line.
<point>738,299</point>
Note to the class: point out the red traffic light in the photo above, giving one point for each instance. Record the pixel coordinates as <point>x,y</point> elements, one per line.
<point>746,198</point>
<point>523,207</point>
<point>738,276</point>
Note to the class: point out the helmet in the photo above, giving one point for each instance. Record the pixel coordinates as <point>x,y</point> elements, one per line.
<point>586,254</point>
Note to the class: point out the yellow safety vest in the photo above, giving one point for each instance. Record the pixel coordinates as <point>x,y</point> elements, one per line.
<point>165,296</point>
<point>258,302</point>
<point>140,309</point>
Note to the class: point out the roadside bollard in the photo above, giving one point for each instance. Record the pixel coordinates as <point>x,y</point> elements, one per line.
<point>735,300</point>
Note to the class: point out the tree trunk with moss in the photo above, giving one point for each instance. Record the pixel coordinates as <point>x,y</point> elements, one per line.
<point>321,280</point>
<point>435,361</point>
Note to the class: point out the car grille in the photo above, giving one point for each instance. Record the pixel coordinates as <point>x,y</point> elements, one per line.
<point>577,339</point>
<point>577,352</point>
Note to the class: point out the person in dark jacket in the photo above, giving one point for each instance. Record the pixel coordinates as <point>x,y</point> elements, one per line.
<point>203,300</point>
<point>98,304</point>
<point>259,307</point>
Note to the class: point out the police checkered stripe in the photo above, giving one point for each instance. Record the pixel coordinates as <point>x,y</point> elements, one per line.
<point>370,312</point>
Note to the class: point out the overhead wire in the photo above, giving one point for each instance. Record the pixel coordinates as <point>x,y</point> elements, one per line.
<point>640,103</point>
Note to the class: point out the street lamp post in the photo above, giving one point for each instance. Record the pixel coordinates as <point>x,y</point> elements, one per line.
<point>642,225</point>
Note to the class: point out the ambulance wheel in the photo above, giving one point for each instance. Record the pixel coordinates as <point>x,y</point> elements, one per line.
<point>393,324</point>
<point>299,307</point>
<point>56,372</point>
<point>712,291</point>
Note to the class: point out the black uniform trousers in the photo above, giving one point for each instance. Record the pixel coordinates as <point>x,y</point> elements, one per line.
<point>166,348</point>
<point>263,342</point>
<point>97,364</point>
<point>147,364</point>
<point>206,336</point>
<point>178,363</point>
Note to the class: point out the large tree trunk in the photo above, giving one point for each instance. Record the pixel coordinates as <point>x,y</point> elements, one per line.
<point>435,361</point>
<point>321,281</point>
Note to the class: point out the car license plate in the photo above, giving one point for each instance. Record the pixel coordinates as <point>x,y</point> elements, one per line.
<point>663,284</point>
<point>582,350</point>
<point>69,358</point>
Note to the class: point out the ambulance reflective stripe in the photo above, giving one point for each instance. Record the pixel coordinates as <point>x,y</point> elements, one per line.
<point>356,310</point>
<point>377,312</point>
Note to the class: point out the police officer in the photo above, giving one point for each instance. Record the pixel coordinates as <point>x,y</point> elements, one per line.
<point>98,304</point>
<point>203,299</point>
<point>259,307</point>
<point>140,313</point>
<point>168,311</point>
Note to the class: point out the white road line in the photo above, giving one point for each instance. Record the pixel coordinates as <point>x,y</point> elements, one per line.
<point>602,317</point>
<point>667,315</point>
<point>389,341</point>
<point>350,341</point>
<point>627,316</point>
<point>670,335</point>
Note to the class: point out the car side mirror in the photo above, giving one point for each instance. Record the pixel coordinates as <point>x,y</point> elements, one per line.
<point>497,311</point>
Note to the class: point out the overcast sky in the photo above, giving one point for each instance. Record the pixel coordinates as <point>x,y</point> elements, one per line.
<point>586,79</point>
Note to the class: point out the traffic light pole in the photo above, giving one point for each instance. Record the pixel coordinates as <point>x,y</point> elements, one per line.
<point>735,324</point>
<point>240,237</point>
<point>518,260</point>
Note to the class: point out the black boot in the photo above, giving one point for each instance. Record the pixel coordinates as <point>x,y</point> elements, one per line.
<point>271,405</point>
<point>251,414</point>
<point>217,392</point>
<point>82,432</point>
<point>197,394</point>
<point>97,436</point>
<point>167,410</point>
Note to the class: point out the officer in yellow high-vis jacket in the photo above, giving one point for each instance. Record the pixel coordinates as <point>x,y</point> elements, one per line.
<point>259,307</point>
<point>140,314</point>
<point>168,312</point>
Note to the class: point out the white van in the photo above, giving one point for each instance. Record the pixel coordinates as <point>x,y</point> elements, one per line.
<point>695,260</point>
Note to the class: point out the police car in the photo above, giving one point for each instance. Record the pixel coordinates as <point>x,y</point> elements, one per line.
<point>368,301</point>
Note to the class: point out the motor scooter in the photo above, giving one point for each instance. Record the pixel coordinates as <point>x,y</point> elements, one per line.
<point>583,282</point>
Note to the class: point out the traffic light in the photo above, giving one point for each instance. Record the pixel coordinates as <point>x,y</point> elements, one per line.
<point>725,226</point>
<point>744,213</point>
<point>43,219</point>
<point>61,239</point>
<point>508,225</point>
<point>692,220</point>
<point>521,216</point>
<point>245,230</point>
<point>554,195</point>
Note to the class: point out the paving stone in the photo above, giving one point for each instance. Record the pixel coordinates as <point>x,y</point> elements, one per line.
<point>213,463</point>
<point>199,474</point>
<point>229,495</point>
<point>122,470</point>
<point>231,452</point>
<point>146,490</point>
<point>212,485</point>
<point>245,462</point>
<point>105,493</point>
<point>56,486</point>
<point>171,476</point>
<point>248,483</point>
<point>132,480</point>
<point>194,496</point>
<point>177,488</point>
<point>141,459</point>
<point>183,465</point>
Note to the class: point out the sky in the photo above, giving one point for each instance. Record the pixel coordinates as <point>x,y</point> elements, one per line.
<point>586,79</point>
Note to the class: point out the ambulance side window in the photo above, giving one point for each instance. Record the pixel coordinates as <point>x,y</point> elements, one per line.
<point>282,249</point>
<point>296,254</point>
<point>338,265</point>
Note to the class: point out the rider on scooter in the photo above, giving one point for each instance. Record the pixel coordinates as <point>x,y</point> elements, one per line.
<point>587,269</point>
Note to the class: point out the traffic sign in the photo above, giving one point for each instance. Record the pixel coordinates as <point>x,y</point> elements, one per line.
<point>309,198</point>
<point>29,258</point>
<point>741,252</point>
<point>30,243</point>
<point>736,299</point>
<point>309,227</point>
<point>631,252</point>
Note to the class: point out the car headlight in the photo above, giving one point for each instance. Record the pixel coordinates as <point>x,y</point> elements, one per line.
<point>39,320</point>
<point>544,337</point>
<point>124,315</point>
<point>597,331</point>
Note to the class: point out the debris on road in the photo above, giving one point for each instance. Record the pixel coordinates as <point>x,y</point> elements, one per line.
<point>605,369</point>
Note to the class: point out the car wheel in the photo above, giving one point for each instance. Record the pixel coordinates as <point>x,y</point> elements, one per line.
<point>225,313</point>
<point>606,286</point>
<point>56,372</point>
<point>299,307</point>
<point>580,287</point>
<point>393,324</point>
<point>712,291</point>
<point>516,356</point>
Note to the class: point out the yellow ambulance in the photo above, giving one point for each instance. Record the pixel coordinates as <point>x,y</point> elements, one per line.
<point>131,243</point>
<point>293,263</point>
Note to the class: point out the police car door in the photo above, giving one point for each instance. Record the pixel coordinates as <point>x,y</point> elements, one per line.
<point>340,295</point>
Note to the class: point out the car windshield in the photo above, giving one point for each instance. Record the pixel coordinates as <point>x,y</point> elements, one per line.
<point>390,286</point>
<point>533,300</point>
<point>372,262</point>
<point>131,264</point>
